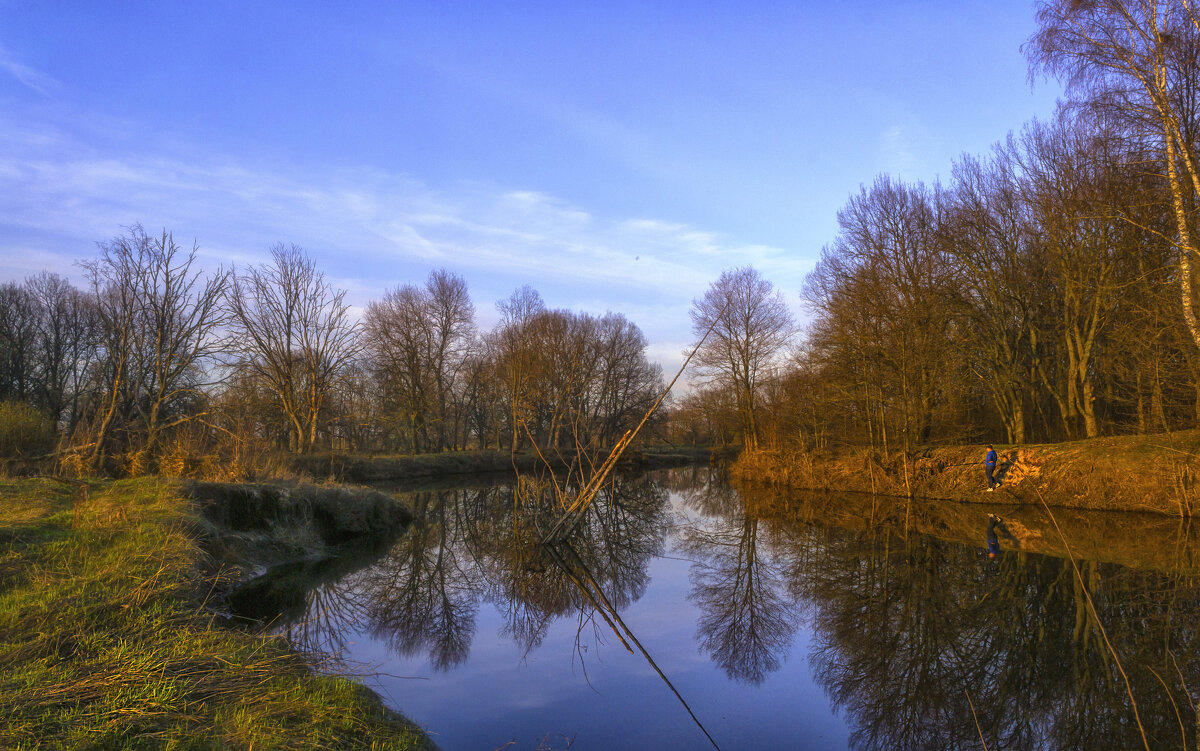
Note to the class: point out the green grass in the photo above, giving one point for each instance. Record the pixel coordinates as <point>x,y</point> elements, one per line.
<point>105,641</point>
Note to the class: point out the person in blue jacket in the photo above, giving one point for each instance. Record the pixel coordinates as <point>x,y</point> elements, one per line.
<point>989,465</point>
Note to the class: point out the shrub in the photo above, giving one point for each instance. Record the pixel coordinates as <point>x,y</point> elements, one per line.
<point>25,433</point>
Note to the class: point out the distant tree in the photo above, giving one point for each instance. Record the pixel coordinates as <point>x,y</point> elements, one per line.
<point>986,232</point>
<point>66,342</point>
<point>482,403</point>
<point>19,321</point>
<point>560,360</point>
<point>1075,191</point>
<point>511,347</point>
<point>751,325</point>
<point>398,343</point>
<point>418,340</point>
<point>452,316</point>
<point>626,383</point>
<point>295,334</point>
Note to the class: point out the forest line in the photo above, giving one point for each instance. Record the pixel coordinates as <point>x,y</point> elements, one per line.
<point>1044,291</point>
<point>157,365</point>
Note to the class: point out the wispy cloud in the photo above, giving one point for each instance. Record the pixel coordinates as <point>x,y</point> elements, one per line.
<point>903,148</point>
<point>27,76</point>
<point>370,230</point>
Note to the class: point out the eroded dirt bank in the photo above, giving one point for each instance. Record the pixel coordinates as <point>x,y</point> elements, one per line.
<point>251,527</point>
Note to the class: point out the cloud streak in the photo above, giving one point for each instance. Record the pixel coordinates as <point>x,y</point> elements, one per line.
<point>25,75</point>
<point>368,229</point>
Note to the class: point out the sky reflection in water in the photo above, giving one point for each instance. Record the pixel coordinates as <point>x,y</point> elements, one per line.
<point>777,627</point>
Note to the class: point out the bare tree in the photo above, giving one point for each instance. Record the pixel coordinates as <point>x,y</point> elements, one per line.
<point>19,322</point>
<point>1073,193</point>
<point>888,245</point>
<point>178,336</point>
<point>117,312</point>
<point>453,321</point>
<point>158,321</point>
<point>752,327</point>
<point>1141,59</point>
<point>626,382</point>
<point>398,343</point>
<point>294,333</point>
<point>986,234</point>
<point>418,340</point>
<point>66,344</point>
<point>512,352</point>
<point>482,407</point>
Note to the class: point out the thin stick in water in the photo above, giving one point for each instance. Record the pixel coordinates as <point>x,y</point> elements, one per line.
<point>976,718</point>
<point>1092,608</point>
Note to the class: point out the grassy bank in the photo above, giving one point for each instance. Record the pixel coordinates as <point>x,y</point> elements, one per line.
<point>1154,473</point>
<point>105,640</point>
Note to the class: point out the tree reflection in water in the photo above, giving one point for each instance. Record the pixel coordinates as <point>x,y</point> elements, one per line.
<point>903,627</point>
<point>747,616</point>
<point>470,546</point>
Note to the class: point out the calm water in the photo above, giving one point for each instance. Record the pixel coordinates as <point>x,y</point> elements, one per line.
<point>776,629</point>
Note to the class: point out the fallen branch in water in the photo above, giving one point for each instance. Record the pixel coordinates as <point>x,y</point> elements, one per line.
<point>1174,705</point>
<point>976,718</point>
<point>567,522</point>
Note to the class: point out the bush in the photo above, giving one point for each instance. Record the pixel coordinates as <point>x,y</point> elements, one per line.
<point>25,433</point>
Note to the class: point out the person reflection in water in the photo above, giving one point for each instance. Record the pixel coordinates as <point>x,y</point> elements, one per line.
<point>993,541</point>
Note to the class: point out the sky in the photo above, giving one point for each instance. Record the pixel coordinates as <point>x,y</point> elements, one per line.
<point>615,156</point>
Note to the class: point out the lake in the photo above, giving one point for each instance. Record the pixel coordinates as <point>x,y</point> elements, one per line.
<point>683,615</point>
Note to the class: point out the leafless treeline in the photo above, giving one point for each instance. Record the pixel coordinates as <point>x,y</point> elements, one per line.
<point>156,365</point>
<point>1045,290</point>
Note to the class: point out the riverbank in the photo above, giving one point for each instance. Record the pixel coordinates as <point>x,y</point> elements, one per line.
<point>247,528</point>
<point>362,468</point>
<point>107,639</point>
<point>1151,473</point>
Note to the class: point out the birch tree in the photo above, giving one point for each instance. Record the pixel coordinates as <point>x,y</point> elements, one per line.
<point>1141,59</point>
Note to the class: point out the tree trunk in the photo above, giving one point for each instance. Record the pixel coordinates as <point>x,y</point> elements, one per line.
<point>1088,408</point>
<point>1185,240</point>
<point>1141,407</point>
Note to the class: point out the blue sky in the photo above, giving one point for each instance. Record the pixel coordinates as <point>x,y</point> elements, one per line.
<point>616,156</point>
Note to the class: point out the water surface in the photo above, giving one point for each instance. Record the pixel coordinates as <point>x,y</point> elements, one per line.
<point>812,623</point>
